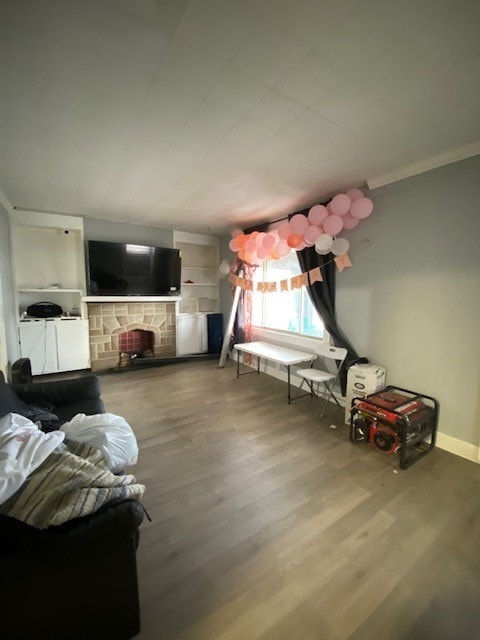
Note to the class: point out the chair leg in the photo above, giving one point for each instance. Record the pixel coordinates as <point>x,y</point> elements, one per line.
<point>330,395</point>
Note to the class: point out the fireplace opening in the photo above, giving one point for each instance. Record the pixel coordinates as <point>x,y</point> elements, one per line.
<point>137,343</point>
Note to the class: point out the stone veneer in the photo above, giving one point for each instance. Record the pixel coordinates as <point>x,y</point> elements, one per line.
<point>108,320</point>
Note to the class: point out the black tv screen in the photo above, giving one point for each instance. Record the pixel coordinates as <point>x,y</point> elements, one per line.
<point>116,269</point>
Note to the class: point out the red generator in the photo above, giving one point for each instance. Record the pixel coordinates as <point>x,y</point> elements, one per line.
<point>396,421</point>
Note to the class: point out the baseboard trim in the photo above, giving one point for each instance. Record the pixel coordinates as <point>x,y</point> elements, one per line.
<point>458,447</point>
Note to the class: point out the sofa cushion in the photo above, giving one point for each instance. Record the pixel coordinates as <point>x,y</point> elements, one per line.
<point>90,407</point>
<point>9,403</point>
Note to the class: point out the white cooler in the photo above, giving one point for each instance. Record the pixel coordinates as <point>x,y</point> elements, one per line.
<point>362,380</point>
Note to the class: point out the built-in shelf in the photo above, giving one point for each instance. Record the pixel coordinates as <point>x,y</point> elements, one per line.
<point>199,284</point>
<point>198,268</point>
<point>131,298</point>
<point>199,264</point>
<point>49,289</point>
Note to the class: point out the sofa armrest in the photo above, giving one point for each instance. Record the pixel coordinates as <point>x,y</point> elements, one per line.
<point>58,392</point>
<point>121,518</point>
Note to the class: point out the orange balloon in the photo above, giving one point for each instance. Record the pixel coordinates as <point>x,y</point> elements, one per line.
<point>240,240</point>
<point>241,254</point>
<point>274,255</point>
<point>294,240</point>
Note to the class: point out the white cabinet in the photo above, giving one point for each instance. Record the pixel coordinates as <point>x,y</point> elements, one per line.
<point>72,345</point>
<point>55,345</point>
<point>191,333</point>
<point>38,342</point>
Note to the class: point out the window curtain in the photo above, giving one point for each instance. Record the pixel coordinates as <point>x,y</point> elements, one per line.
<point>322,295</point>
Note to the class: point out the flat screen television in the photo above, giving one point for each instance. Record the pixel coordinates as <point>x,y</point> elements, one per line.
<point>120,269</point>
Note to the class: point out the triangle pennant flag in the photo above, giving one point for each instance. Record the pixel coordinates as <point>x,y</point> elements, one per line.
<point>284,285</point>
<point>303,279</point>
<point>248,285</point>
<point>232,278</point>
<point>342,262</point>
<point>315,275</point>
<point>295,283</point>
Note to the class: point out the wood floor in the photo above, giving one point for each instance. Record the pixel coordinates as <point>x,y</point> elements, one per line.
<point>270,525</point>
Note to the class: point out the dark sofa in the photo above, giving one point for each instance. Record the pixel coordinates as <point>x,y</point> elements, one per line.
<point>76,581</point>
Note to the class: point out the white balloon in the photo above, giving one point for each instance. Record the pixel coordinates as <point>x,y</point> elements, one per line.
<point>323,244</point>
<point>340,246</point>
<point>224,268</point>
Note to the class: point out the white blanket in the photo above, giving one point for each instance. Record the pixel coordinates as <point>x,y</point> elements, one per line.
<point>23,448</point>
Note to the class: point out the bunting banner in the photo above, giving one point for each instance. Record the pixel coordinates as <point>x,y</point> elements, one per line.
<point>297,282</point>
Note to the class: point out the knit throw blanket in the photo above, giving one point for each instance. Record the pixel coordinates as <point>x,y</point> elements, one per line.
<point>73,481</point>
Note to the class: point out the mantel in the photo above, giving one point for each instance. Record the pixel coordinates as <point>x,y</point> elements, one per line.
<point>106,299</point>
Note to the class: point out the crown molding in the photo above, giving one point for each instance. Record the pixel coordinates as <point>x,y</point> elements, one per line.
<point>440,160</point>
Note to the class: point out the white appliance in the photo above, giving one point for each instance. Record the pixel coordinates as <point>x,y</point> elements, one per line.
<point>362,380</point>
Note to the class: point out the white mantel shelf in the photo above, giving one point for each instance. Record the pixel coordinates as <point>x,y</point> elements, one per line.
<point>106,299</point>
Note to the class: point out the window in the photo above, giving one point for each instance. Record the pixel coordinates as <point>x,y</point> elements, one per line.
<point>290,311</point>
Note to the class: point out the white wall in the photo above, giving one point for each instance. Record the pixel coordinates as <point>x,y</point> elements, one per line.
<point>411,302</point>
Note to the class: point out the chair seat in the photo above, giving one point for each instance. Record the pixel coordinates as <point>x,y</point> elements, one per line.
<point>315,375</point>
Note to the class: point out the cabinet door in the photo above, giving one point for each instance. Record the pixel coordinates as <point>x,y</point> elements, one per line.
<point>37,342</point>
<point>73,345</point>
<point>191,334</point>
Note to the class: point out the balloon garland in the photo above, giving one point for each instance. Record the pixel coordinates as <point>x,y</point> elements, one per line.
<point>319,228</point>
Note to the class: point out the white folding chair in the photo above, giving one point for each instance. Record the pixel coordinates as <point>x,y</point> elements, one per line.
<point>333,359</point>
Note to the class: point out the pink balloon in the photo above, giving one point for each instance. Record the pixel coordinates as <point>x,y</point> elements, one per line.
<point>349,222</point>
<point>329,209</point>
<point>311,234</point>
<point>301,246</point>
<point>269,241</point>
<point>233,245</point>
<point>250,244</point>
<point>340,205</point>
<point>262,252</point>
<point>236,232</point>
<point>333,225</point>
<point>361,208</point>
<point>306,243</point>
<point>254,259</point>
<point>282,248</point>
<point>354,194</point>
<point>317,214</point>
<point>298,224</point>
<point>284,230</point>
<point>259,239</point>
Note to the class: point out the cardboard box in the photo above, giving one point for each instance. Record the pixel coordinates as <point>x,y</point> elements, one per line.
<point>362,380</point>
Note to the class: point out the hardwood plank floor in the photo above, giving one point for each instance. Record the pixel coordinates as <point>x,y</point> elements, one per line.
<point>269,525</point>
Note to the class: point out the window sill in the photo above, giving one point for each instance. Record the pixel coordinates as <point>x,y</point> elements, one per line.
<point>303,343</point>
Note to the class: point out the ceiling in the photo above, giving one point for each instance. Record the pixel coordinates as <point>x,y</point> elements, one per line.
<point>205,114</point>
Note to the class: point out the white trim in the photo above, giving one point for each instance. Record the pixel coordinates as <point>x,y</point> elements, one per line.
<point>440,160</point>
<point>458,447</point>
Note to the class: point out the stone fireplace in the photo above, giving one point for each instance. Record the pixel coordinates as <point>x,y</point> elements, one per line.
<point>107,321</point>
